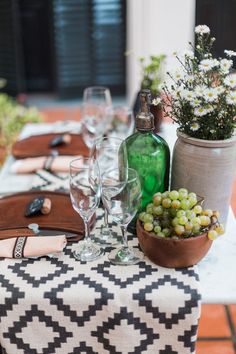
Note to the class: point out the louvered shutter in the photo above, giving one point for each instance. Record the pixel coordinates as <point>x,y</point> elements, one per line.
<point>89,45</point>
<point>11,55</point>
<point>108,33</point>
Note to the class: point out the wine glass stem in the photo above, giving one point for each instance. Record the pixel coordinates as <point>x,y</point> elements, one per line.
<point>87,231</point>
<point>106,218</point>
<point>124,236</point>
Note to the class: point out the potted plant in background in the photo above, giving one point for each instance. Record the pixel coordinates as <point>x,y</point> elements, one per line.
<point>152,78</point>
<point>202,100</point>
<point>13,117</point>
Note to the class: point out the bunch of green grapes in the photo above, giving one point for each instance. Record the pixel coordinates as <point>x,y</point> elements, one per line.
<point>178,214</point>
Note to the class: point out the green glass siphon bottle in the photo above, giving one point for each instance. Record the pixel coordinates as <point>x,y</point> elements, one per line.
<point>148,153</point>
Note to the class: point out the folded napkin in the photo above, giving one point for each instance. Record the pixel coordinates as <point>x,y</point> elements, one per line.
<point>32,164</point>
<point>37,246</point>
<point>63,126</point>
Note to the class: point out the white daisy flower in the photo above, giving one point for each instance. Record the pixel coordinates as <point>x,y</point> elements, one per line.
<point>187,95</point>
<point>219,89</point>
<point>231,98</point>
<point>176,94</point>
<point>194,126</point>
<point>230,53</point>
<point>208,64</point>
<point>156,101</point>
<point>225,65</point>
<point>209,109</point>
<point>178,75</point>
<point>190,79</point>
<point>200,111</point>
<point>230,81</point>
<point>199,90</point>
<point>195,102</point>
<point>210,95</point>
<point>189,54</point>
<point>202,29</point>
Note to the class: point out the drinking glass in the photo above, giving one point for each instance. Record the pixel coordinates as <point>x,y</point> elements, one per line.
<point>110,153</point>
<point>122,122</point>
<point>96,113</point>
<point>85,193</point>
<point>121,196</point>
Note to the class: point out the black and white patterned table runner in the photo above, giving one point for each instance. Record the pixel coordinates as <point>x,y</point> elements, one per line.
<point>62,306</point>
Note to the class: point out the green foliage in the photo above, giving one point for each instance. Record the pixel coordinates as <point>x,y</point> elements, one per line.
<point>151,73</point>
<point>12,119</point>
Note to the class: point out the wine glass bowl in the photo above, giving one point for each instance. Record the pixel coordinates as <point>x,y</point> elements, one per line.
<point>121,196</point>
<point>122,122</point>
<point>110,153</point>
<point>85,193</point>
<point>97,95</point>
<point>96,113</point>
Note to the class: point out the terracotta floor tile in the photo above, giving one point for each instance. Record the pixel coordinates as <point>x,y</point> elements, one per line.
<point>213,322</point>
<point>215,347</point>
<point>232,309</point>
<point>61,113</point>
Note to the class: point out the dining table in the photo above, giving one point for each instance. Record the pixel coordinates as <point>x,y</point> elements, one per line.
<point>57,304</point>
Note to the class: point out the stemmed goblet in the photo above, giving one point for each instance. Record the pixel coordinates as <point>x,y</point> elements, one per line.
<point>85,193</point>
<point>121,196</point>
<point>110,153</point>
<point>122,122</point>
<point>96,113</point>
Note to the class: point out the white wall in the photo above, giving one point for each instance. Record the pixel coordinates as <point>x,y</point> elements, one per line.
<point>155,27</point>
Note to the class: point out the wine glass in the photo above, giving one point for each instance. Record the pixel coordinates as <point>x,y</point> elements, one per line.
<point>121,196</point>
<point>96,113</point>
<point>110,153</point>
<point>85,193</point>
<point>122,123</point>
<point>97,95</point>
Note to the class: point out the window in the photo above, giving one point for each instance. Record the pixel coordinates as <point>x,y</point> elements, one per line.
<point>80,43</point>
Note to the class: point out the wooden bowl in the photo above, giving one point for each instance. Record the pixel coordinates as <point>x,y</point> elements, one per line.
<point>173,253</point>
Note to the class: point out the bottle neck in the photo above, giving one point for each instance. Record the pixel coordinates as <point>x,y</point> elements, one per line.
<point>145,108</point>
<point>143,132</point>
<point>144,119</point>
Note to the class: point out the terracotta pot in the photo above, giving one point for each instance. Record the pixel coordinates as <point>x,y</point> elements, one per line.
<point>3,154</point>
<point>173,253</point>
<point>206,167</point>
<point>158,117</point>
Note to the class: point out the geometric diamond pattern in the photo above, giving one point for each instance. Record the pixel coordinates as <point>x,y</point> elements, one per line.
<point>83,349</point>
<point>60,334</point>
<point>189,337</point>
<point>167,350</point>
<point>60,305</point>
<point>12,297</point>
<point>101,297</point>
<point>174,318</point>
<point>132,321</point>
<point>191,272</point>
<point>106,270</point>
<point>46,180</point>
<point>24,271</point>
